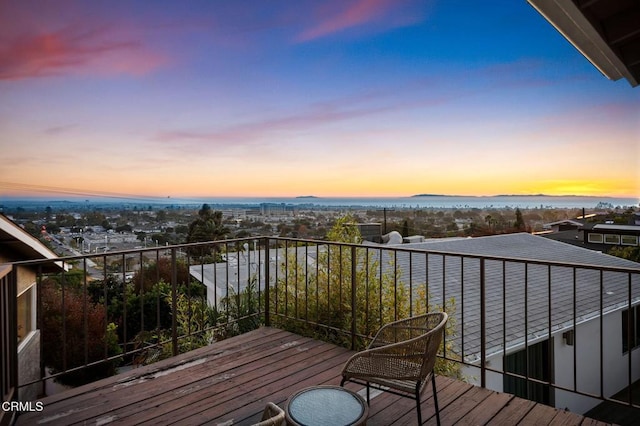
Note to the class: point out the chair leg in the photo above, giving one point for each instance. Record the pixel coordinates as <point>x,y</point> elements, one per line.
<point>435,397</point>
<point>368,399</point>
<point>418,407</point>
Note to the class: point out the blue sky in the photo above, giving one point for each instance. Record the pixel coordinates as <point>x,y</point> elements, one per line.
<point>283,98</point>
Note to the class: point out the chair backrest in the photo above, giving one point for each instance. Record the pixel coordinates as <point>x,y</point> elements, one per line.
<point>416,340</point>
<point>435,323</point>
<point>272,416</point>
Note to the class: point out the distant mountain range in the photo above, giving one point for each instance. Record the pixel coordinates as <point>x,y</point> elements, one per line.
<point>503,195</point>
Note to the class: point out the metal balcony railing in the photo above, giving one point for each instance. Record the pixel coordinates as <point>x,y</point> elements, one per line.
<point>565,334</point>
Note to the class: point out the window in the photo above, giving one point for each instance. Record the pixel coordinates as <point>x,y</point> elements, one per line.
<point>595,238</point>
<point>629,240</point>
<point>630,328</point>
<point>611,239</point>
<point>25,313</point>
<point>539,368</point>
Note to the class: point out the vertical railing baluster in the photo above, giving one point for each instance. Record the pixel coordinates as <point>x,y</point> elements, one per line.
<point>575,331</point>
<point>267,286</point>
<point>317,281</point>
<point>124,305</point>
<point>158,306</point>
<point>444,303</point>
<point>483,325</point>
<point>296,267</point>
<point>39,323</point>
<point>106,305</point>
<point>602,335</point>
<point>64,319</point>
<point>410,284</point>
<point>395,285</point>
<point>215,275</point>
<point>504,314</point>
<point>286,278</point>
<point>549,325</point>
<point>426,282</point>
<point>353,297</point>
<point>366,292</point>
<point>174,302</point>
<point>329,272</point>
<point>341,270</point>
<point>275,281</point>
<point>306,282</point>
<point>85,321</point>
<point>238,292</point>
<point>380,283</point>
<point>632,313</point>
<point>462,306</point>
<point>526,328</point>
<point>141,293</point>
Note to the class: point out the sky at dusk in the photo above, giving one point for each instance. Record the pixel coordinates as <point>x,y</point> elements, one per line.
<point>288,98</point>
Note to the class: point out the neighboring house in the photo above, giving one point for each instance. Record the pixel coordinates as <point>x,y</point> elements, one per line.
<point>606,236</point>
<point>18,245</point>
<point>567,299</point>
<point>564,225</point>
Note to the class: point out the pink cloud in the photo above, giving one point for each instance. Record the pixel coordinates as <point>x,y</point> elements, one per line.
<point>251,134</point>
<point>354,14</point>
<point>74,50</point>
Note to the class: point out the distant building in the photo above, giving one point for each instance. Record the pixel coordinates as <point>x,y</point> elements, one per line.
<point>277,209</point>
<point>564,225</point>
<point>606,236</point>
<point>371,232</point>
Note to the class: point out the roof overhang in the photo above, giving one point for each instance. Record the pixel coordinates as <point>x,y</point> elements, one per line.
<point>606,32</point>
<point>23,246</point>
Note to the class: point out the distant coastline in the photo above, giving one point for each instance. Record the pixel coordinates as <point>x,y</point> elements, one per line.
<point>421,201</point>
<point>506,195</point>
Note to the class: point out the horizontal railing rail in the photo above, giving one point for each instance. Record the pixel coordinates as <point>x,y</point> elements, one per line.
<point>518,325</point>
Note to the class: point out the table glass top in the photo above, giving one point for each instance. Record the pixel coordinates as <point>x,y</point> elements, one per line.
<point>325,406</point>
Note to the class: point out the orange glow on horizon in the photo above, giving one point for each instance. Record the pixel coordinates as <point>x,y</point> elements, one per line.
<point>252,189</point>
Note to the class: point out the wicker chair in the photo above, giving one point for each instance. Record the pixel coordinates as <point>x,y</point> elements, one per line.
<point>272,416</point>
<point>400,358</point>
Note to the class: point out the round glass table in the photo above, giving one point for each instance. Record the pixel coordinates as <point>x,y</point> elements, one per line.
<point>326,405</point>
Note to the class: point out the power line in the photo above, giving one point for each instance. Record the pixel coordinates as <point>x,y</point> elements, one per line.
<point>82,192</point>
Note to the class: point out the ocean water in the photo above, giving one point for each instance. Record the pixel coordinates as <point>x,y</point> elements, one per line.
<point>430,201</point>
<point>446,201</point>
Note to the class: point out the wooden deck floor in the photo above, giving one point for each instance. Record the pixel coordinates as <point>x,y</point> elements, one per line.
<point>230,382</point>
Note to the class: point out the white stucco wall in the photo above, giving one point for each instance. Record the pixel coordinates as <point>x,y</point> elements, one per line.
<point>587,355</point>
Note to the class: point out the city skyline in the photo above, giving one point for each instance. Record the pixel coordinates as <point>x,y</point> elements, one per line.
<point>335,98</point>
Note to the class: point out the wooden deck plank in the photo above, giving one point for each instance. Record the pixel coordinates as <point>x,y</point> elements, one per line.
<point>566,418</point>
<point>485,411</point>
<point>463,405</point>
<point>512,412</point>
<point>312,371</point>
<point>236,381</point>
<point>214,366</point>
<point>247,339</point>
<point>539,414</point>
<point>231,381</point>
